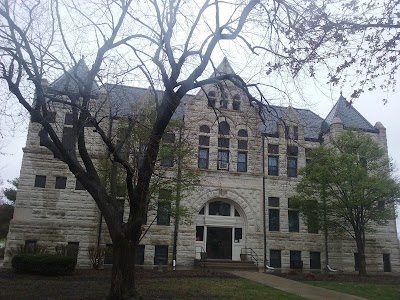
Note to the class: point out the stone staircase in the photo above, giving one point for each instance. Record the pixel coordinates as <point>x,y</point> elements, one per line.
<point>225,264</point>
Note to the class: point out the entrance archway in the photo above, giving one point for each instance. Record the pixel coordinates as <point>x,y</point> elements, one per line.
<point>220,230</point>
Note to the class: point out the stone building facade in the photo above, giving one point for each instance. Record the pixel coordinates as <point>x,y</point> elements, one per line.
<point>248,158</point>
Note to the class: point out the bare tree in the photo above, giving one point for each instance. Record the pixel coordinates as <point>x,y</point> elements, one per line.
<point>167,43</point>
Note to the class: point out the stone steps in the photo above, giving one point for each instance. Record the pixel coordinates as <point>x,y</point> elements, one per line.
<point>223,264</point>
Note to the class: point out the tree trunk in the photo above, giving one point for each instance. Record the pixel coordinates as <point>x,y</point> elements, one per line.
<point>362,265</point>
<point>123,270</point>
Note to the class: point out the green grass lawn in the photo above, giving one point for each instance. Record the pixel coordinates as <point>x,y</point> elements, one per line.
<point>372,291</point>
<point>212,288</point>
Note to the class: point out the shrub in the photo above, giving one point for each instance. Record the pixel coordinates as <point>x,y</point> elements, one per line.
<point>45,264</point>
<point>96,256</point>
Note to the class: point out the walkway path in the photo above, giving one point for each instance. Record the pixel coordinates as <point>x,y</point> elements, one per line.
<point>294,287</point>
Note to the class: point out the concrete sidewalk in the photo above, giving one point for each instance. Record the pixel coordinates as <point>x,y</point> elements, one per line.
<point>294,287</point>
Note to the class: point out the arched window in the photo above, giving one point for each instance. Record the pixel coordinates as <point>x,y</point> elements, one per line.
<point>223,128</point>
<point>205,129</point>
<point>236,102</point>
<point>242,133</point>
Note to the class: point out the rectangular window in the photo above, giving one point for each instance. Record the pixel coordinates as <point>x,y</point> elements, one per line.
<point>78,185</point>
<point>223,160</point>
<point>287,132</point>
<point>356,262</point>
<point>204,140</point>
<point>292,166</point>
<point>167,162</point>
<point>242,162</point>
<point>386,263</point>
<point>295,132</point>
<point>292,150</point>
<point>68,119</point>
<point>315,260</point>
<point>238,234</point>
<point>293,216</point>
<point>313,223</point>
<point>219,208</point>
<point>203,158</point>
<point>223,104</point>
<point>295,260</point>
<point>68,139</point>
<point>73,249</point>
<point>273,201</point>
<point>169,138</point>
<point>273,218</point>
<point>140,255</point>
<point>273,149</point>
<point>161,255</point>
<point>61,182</point>
<point>273,165</point>
<point>275,258</point>
<point>211,102</point>
<point>40,181</point>
<point>30,246</point>
<point>223,142</point>
<point>163,216</point>
<point>200,233</point>
<point>108,254</point>
<point>242,144</point>
<point>236,105</point>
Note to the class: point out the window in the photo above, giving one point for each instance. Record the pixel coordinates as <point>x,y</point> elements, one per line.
<point>200,233</point>
<point>68,119</point>
<point>204,140</point>
<point>273,165</point>
<point>203,158</point>
<point>164,207</point>
<point>167,162</point>
<point>273,201</point>
<point>238,234</point>
<point>79,186</point>
<point>292,166</point>
<point>356,262</point>
<point>223,128</point>
<point>204,129</point>
<point>108,254</point>
<point>161,254</point>
<point>386,263</point>
<point>273,149</point>
<point>219,208</point>
<point>292,150</point>
<point>275,258</point>
<point>211,99</point>
<point>273,218</point>
<point>242,133</point>
<point>61,182</point>
<point>73,249</point>
<point>315,260</point>
<point>169,138</point>
<point>40,181</point>
<point>295,260</point>
<point>30,246</point>
<point>236,102</point>
<point>68,139</point>
<point>168,158</point>
<point>223,160</point>
<point>201,212</point>
<point>287,132</point>
<point>293,218</point>
<point>242,162</point>
<point>163,217</point>
<point>139,260</point>
<point>295,133</point>
<point>223,142</point>
<point>223,104</point>
<point>313,223</point>
<point>237,213</point>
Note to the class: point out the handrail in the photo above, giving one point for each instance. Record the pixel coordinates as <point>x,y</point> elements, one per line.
<point>251,252</point>
<point>201,249</point>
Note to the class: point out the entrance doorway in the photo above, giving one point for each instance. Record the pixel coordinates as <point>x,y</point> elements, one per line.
<point>219,243</point>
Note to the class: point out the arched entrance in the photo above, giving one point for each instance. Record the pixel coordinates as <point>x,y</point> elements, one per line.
<point>220,230</point>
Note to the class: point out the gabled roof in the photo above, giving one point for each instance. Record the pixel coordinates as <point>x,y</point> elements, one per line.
<point>349,116</point>
<point>68,81</point>
<point>224,68</point>
<point>272,115</point>
<point>123,98</point>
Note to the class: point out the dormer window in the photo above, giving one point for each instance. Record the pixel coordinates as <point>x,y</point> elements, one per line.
<point>223,103</point>
<point>211,96</point>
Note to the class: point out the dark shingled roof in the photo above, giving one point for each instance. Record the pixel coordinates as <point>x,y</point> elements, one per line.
<point>350,117</point>
<point>272,115</point>
<point>123,97</point>
<point>68,82</point>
